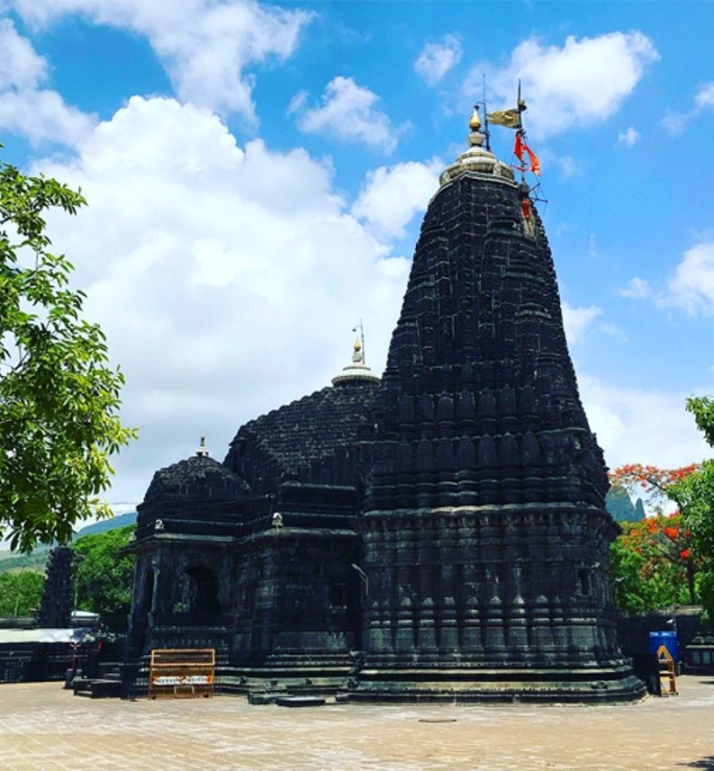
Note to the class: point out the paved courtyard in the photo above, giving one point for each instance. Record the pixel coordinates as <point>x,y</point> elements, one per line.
<point>44,727</point>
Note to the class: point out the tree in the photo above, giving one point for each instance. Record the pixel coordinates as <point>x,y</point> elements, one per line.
<point>20,593</point>
<point>104,574</point>
<point>59,398</point>
<point>691,488</point>
<point>655,481</point>
<point>654,564</point>
<point>694,494</point>
<point>662,546</point>
<point>634,590</point>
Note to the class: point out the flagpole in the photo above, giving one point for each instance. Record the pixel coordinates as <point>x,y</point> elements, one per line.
<point>486,131</point>
<point>521,131</point>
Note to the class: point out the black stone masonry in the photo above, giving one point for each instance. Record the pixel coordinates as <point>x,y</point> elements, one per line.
<point>440,535</point>
<point>485,532</point>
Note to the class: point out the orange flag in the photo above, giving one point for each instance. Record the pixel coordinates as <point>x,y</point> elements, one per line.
<point>521,147</point>
<point>518,149</point>
<point>533,158</point>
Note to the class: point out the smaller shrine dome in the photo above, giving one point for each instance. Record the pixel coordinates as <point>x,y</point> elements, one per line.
<point>197,477</point>
<point>357,370</point>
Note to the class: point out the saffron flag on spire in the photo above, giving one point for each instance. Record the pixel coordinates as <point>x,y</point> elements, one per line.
<point>520,148</point>
<point>533,158</point>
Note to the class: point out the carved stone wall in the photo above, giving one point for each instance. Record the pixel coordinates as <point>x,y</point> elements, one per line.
<point>485,535</point>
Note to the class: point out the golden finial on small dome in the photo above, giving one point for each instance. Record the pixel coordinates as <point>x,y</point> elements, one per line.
<point>475,122</point>
<point>357,357</point>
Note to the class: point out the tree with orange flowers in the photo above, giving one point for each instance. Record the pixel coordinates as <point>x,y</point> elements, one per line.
<point>677,548</point>
<point>656,558</point>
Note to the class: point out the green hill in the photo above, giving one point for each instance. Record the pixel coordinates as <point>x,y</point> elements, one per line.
<point>620,506</point>
<point>123,520</point>
<point>10,562</point>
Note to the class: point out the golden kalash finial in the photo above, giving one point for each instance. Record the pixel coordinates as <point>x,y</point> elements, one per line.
<point>475,122</point>
<point>357,355</point>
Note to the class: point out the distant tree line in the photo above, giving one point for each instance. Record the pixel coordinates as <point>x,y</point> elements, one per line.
<point>102,579</point>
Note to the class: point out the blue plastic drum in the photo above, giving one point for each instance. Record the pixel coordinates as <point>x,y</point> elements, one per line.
<point>668,639</point>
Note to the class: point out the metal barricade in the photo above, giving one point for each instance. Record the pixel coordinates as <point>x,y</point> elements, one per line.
<point>187,672</point>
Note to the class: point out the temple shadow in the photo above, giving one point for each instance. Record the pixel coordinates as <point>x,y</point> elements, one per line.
<point>706,764</point>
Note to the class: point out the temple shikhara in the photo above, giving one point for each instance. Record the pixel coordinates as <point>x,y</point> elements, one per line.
<point>436,534</point>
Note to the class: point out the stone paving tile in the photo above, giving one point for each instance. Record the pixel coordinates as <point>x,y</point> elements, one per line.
<point>44,727</point>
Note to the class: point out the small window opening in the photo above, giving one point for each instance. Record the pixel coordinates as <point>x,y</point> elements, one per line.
<point>584,579</point>
<point>338,596</point>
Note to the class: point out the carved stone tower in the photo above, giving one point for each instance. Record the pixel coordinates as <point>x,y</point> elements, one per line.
<point>485,532</point>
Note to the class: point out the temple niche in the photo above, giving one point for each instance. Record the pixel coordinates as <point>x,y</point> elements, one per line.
<point>438,534</point>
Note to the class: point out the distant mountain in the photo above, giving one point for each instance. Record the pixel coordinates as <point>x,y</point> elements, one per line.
<point>620,506</point>
<point>123,520</point>
<point>11,561</point>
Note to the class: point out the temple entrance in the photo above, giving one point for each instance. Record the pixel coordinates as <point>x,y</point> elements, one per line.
<point>147,595</point>
<point>203,591</point>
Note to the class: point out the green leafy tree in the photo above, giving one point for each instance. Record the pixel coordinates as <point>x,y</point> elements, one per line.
<point>691,488</point>
<point>59,398</point>
<point>694,494</point>
<point>103,575</point>
<point>20,593</point>
<point>654,565</point>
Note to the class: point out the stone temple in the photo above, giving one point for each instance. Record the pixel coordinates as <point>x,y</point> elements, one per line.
<point>439,534</point>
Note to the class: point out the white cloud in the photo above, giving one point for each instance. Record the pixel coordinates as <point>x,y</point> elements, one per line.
<point>205,46</point>
<point>568,167</point>
<point>25,108</point>
<point>349,112</point>
<point>227,279</point>
<point>436,59</point>
<point>641,426</point>
<point>298,102</point>
<point>705,96</point>
<point>628,138</point>
<point>638,289</point>
<point>581,83</point>
<point>578,321</point>
<point>692,287</point>
<point>20,66</point>
<point>393,195</point>
<point>675,122</point>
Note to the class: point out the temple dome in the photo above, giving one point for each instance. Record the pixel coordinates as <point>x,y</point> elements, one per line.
<point>477,159</point>
<point>197,477</point>
<point>357,370</point>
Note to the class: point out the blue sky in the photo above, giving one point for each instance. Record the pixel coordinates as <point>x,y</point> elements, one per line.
<point>257,174</point>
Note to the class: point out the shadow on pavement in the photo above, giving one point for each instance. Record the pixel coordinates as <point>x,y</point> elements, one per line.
<point>707,764</point>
